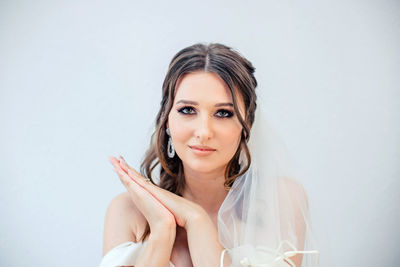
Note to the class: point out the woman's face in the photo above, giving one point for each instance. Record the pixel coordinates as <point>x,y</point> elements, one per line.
<point>202,116</point>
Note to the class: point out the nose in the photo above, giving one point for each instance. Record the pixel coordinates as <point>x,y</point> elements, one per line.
<point>204,129</point>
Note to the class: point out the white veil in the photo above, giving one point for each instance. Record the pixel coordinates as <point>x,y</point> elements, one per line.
<point>264,220</point>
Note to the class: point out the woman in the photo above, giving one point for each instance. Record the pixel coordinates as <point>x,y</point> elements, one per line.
<point>206,200</point>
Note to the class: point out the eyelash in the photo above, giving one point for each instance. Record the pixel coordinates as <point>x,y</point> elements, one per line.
<point>229,113</point>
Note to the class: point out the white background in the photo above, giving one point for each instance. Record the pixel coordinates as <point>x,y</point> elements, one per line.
<point>81,80</point>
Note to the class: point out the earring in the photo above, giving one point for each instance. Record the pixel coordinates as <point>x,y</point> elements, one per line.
<point>170,150</point>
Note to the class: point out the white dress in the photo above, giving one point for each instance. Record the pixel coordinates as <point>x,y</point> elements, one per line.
<point>125,254</point>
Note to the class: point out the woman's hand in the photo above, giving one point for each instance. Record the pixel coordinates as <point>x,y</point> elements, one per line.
<point>156,214</point>
<point>185,212</point>
<point>202,235</point>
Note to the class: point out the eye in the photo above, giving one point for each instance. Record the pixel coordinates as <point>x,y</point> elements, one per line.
<point>186,110</point>
<point>225,113</point>
<point>222,113</point>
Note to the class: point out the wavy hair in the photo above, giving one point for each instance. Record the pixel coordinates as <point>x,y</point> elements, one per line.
<point>238,74</point>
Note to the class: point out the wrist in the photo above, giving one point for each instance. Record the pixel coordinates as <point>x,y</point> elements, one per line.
<point>163,232</point>
<point>198,217</point>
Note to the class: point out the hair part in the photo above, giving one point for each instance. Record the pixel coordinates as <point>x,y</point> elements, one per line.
<point>238,74</point>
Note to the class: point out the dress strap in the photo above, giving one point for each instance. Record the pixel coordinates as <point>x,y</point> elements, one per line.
<point>222,258</point>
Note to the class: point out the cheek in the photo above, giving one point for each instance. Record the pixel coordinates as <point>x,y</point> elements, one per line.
<point>230,138</point>
<point>181,131</point>
<point>182,136</point>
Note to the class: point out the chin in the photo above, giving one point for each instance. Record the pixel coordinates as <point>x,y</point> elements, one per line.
<point>202,167</point>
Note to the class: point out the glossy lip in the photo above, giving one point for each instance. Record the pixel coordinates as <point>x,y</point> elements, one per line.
<point>207,148</point>
<point>202,150</point>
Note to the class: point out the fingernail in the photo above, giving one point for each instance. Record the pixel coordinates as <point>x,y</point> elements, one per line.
<point>121,157</point>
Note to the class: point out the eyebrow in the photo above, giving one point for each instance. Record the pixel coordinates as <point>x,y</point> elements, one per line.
<point>195,103</point>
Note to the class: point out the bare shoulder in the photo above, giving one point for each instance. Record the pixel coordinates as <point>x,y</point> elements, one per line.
<point>293,189</point>
<point>123,222</point>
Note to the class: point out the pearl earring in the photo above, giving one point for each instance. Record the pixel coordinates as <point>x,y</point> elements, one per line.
<point>170,150</point>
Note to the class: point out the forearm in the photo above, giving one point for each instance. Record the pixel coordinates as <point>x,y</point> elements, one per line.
<point>204,246</point>
<point>157,251</point>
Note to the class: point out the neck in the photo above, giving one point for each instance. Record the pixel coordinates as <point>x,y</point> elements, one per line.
<point>205,189</point>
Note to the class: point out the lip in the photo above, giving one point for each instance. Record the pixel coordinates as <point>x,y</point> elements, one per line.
<point>202,150</point>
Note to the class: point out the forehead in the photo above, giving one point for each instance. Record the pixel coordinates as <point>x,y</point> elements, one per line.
<point>203,87</point>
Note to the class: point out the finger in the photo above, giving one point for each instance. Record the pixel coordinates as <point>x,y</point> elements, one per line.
<point>118,163</point>
<point>132,179</point>
<point>132,176</point>
<point>139,194</point>
<point>126,167</point>
<point>124,177</point>
<point>157,192</point>
<point>140,179</point>
<point>161,195</point>
<point>114,161</point>
<point>128,182</point>
<point>173,203</point>
<point>143,199</point>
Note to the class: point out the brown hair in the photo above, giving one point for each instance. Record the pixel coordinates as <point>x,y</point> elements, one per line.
<point>238,74</point>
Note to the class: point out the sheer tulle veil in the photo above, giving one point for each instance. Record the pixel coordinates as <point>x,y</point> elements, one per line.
<point>264,220</point>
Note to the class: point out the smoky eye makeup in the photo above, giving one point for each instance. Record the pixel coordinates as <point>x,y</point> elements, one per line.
<point>186,110</point>
<point>221,113</point>
<point>227,113</point>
